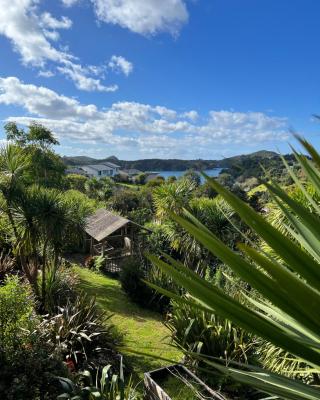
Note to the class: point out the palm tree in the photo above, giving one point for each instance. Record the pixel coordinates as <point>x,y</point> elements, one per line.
<point>13,166</point>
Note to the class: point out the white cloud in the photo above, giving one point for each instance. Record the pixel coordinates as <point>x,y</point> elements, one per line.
<point>192,115</point>
<point>79,75</point>
<point>31,35</point>
<point>146,17</point>
<point>20,24</point>
<point>48,21</point>
<point>120,64</point>
<point>69,3</point>
<point>140,130</point>
<point>46,73</point>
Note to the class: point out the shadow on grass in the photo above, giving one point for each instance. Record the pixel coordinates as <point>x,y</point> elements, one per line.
<point>142,329</point>
<point>113,299</point>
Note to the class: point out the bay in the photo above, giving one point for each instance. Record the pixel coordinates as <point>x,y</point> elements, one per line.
<point>178,174</point>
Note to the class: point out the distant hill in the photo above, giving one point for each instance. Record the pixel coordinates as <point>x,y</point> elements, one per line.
<point>157,164</point>
<point>257,155</point>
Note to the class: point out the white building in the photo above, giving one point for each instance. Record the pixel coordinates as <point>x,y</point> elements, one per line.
<point>107,169</point>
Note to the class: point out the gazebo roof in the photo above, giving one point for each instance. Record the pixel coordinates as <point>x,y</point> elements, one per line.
<point>103,223</point>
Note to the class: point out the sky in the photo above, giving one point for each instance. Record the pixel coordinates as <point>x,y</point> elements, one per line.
<point>162,79</point>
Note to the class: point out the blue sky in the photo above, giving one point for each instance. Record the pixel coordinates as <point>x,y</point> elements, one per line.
<point>168,79</point>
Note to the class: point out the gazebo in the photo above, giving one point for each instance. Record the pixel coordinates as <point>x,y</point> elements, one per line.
<point>109,234</point>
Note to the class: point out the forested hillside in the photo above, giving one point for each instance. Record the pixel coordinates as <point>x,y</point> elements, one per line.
<point>155,164</point>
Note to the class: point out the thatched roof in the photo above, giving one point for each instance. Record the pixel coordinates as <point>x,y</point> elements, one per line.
<point>103,223</point>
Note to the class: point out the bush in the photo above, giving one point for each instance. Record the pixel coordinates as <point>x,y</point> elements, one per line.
<point>60,288</point>
<point>131,277</point>
<point>205,333</point>
<point>128,200</point>
<point>7,264</point>
<point>79,330</point>
<point>105,385</point>
<point>16,314</point>
<point>28,362</point>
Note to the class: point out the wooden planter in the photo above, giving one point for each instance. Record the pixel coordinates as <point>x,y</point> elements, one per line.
<point>153,390</point>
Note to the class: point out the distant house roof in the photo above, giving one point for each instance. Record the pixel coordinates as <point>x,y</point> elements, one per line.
<point>103,223</point>
<point>101,167</point>
<point>132,171</point>
<point>112,165</point>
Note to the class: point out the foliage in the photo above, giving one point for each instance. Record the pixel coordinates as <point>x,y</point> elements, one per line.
<point>193,176</point>
<point>198,331</point>
<point>214,212</point>
<point>46,168</point>
<point>287,312</point>
<point>171,179</point>
<point>31,372</point>
<point>60,287</point>
<point>206,190</point>
<point>76,182</point>
<point>132,277</point>
<point>105,385</point>
<point>140,179</point>
<point>28,362</point>
<point>79,329</point>
<point>7,264</point>
<point>140,215</point>
<point>126,201</point>
<point>97,263</point>
<point>172,197</point>
<point>156,182</point>
<point>100,189</point>
<point>16,314</point>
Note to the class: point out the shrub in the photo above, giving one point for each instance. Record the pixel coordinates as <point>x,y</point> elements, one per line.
<point>28,362</point>
<point>131,277</point>
<point>127,200</point>
<point>105,385</point>
<point>205,333</point>
<point>16,314</point>
<point>286,312</point>
<point>80,329</point>
<point>60,287</point>
<point>7,264</point>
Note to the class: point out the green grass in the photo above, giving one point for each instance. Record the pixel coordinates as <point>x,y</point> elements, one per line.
<point>143,330</point>
<point>132,186</point>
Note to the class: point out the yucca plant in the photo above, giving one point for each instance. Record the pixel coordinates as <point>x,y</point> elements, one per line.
<point>286,312</point>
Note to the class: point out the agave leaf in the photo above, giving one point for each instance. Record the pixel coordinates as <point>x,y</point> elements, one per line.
<point>248,319</point>
<point>283,246</point>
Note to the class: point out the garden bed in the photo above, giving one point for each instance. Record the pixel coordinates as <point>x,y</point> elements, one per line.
<point>176,382</point>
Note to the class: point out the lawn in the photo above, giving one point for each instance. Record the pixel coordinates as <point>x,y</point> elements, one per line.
<point>143,330</point>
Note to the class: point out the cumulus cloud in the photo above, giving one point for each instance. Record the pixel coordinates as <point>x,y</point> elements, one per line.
<point>146,17</point>
<point>120,64</point>
<point>192,115</point>
<point>32,35</point>
<point>78,74</point>
<point>142,129</point>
